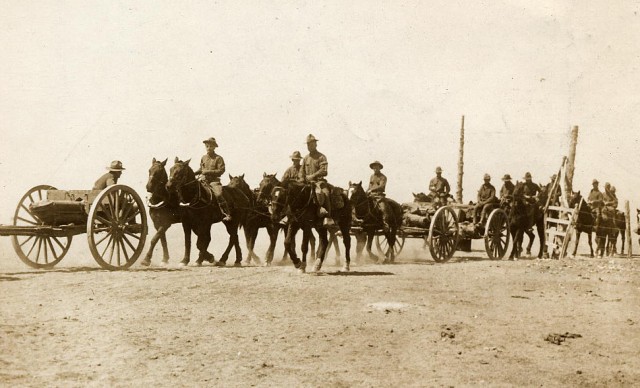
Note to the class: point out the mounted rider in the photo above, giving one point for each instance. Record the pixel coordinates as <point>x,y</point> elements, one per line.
<point>596,201</point>
<point>314,169</point>
<point>486,200</point>
<point>294,170</point>
<point>211,169</point>
<point>376,190</point>
<point>530,189</point>
<point>439,188</point>
<point>506,191</point>
<point>610,200</point>
<point>111,177</point>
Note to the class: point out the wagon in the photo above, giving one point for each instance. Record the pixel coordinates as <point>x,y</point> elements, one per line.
<point>46,219</point>
<point>446,229</point>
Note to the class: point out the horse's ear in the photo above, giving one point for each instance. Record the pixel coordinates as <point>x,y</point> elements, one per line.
<point>164,163</point>
<point>187,161</point>
<point>349,183</point>
<point>264,174</point>
<point>153,161</point>
<point>176,160</point>
<point>274,174</point>
<point>360,183</point>
<point>230,177</point>
<point>242,176</point>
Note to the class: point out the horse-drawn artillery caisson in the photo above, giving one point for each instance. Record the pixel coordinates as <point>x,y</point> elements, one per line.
<point>46,219</point>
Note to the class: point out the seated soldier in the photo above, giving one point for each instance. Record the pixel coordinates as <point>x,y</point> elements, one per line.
<point>377,186</point>
<point>596,201</point>
<point>439,188</point>
<point>294,170</point>
<point>211,169</point>
<point>486,200</point>
<point>111,177</point>
<point>610,200</point>
<point>530,190</point>
<point>314,170</point>
<point>506,192</point>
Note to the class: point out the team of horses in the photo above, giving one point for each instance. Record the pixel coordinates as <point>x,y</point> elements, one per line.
<point>181,197</point>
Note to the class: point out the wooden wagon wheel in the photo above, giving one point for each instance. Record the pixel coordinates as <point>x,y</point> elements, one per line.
<point>37,251</point>
<point>384,247</point>
<point>443,234</point>
<point>496,234</point>
<point>117,227</point>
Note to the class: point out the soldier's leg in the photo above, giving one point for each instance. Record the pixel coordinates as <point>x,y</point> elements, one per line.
<point>382,204</point>
<point>485,212</point>
<point>476,209</point>
<point>224,207</point>
<point>320,200</point>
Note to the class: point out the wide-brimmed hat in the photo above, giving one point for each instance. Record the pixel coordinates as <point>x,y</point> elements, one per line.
<point>506,177</point>
<point>527,175</point>
<point>116,165</point>
<point>438,169</point>
<point>211,140</point>
<point>295,155</point>
<point>311,138</point>
<point>594,182</point>
<point>487,176</point>
<point>375,162</point>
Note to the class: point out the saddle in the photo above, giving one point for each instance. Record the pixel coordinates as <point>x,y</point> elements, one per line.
<point>335,195</point>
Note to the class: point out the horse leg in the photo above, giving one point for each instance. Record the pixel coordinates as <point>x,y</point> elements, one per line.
<point>272,231</point>
<point>589,239</point>
<point>622,241</point>
<point>532,237</point>
<point>372,256</point>
<point>322,249</point>
<point>186,228</point>
<point>346,240</point>
<point>575,246</point>
<point>290,247</point>
<point>333,240</point>
<point>232,229</point>
<point>391,239</point>
<point>361,240</point>
<point>541,237</point>
<point>311,239</point>
<point>165,249</point>
<point>154,240</point>
<point>517,237</point>
<point>202,243</point>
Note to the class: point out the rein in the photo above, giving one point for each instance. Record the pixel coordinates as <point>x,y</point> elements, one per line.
<point>197,197</point>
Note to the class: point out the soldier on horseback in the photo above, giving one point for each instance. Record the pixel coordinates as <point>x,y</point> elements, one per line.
<point>439,188</point>
<point>211,169</point>
<point>610,199</point>
<point>486,200</point>
<point>314,170</point>
<point>596,201</point>
<point>377,186</point>
<point>530,190</point>
<point>294,170</point>
<point>506,191</point>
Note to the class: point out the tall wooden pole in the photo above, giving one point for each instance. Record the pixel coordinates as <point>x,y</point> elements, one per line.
<point>571,159</point>
<point>460,163</point>
<point>628,231</point>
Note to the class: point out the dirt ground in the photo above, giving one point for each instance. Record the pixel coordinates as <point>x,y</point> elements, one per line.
<point>467,322</point>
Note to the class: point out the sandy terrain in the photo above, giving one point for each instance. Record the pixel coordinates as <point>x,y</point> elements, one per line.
<point>467,322</point>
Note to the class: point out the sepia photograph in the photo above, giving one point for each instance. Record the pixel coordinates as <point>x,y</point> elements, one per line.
<point>299,193</point>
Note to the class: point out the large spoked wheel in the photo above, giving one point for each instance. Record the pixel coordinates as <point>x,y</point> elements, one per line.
<point>37,251</point>
<point>496,234</point>
<point>117,227</point>
<point>443,234</point>
<point>386,249</point>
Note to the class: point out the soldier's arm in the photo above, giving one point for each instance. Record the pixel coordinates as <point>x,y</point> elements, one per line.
<point>432,185</point>
<point>447,188</point>
<point>302,174</point>
<point>219,168</point>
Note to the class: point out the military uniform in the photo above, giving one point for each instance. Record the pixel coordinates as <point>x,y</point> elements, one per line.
<point>486,201</point>
<point>211,169</point>
<point>610,203</point>
<point>439,187</point>
<point>506,192</point>
<point>530,190</point>
<point>314,170</point>
<point>111,177</point>
<point>596,201</point>
<point>291,174</point>
<point>377,184</point>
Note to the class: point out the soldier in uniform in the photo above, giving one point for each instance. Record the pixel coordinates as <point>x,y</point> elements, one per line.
<point>439,187</point>
<point>506,191</point>
<point>111,177</point>
<point>211,169</point>
<point>314,170</point>
<point>530,189</point>
<point>596,201</point>
<point>292,172</point>
<point>486,200</point>
<point>609,199</point>
<point>377,186</point>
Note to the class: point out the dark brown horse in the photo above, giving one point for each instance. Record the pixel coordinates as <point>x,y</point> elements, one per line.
<point>523,215</point>
<point>203,211</point>
<point>584,222</point>
<point>367,209</point>
<point>297,202</point>
<point>619,229</point>
<point>164,211</point>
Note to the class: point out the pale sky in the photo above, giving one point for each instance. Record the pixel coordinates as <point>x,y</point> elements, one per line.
<point>85,82</point>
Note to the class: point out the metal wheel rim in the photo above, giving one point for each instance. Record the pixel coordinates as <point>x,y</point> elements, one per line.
<point>116,228</point>
<point>40,252</point>
<point>443,234</point>
<point>496,234</point>
<point>382,244</point>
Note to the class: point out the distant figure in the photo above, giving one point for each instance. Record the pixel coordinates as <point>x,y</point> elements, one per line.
<point>439,187</point>
<point>376,190</point>
<point>293,171</point>
<point>211,169</point>
<point>596,201</point>
<point>314,170</point>
<point>530,189</point>
<point>111,177</point>
<point>506,192</point>
<point>486,200</point>
<point>609,198</point>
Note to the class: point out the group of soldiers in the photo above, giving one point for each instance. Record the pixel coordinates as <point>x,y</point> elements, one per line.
<point>313,169</point>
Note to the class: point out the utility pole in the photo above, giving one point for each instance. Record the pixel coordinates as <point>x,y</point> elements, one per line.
<point>460,163</point>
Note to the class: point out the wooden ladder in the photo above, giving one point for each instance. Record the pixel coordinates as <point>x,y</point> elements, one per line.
<point>559,228</point>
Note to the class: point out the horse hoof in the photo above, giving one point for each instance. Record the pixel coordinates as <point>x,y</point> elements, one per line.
<point>145,262</point>
<point>266,264</point>
<point>345,268</point>
<point>237,264</point>
<point>198,264</point>
<point>317,265</point>
<point>184,263</point>
<point>219,264</point>
<point>164,263</point>
<point>302,270</point>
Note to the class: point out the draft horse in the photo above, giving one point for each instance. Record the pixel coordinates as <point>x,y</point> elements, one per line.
<point>164,211</point>
<point>522,216</point>
<point>584,222</point>
<point>203,211</point>
<point>373,219</point>
<point>298,202</point>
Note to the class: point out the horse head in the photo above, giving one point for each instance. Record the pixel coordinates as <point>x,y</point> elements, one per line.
<point>238,182</point>
<point>268,182</point>
<point>157,176</point>
<point>180,174</point>
<point>355,192</point>
<point>421,197</point>
<point>575,199</point>
<point>277,203</point>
